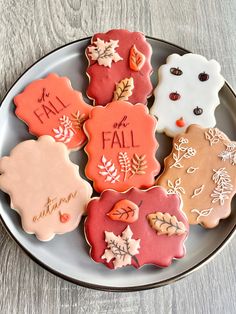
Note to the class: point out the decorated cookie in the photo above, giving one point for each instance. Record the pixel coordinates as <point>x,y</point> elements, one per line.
<point>187,93</point>
<point>119,67</point>
<point>202,169</point>
<point>136,228</point>
<point>45,187</point>
<point>50,106</point>
<point>121,147</point>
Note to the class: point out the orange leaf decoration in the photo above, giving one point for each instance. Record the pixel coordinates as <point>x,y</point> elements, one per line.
<point>136,59</point>
<point>125,211</point>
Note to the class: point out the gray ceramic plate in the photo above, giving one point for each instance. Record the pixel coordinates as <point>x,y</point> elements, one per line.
<point>67,255</point>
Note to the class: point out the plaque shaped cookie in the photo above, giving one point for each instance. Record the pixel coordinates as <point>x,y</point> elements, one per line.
<point>50,106</point>
<point>119,67</point>
<point>187,93</point>
<point>45,187</point>
<point>202,169</point>
<point>121,147</point>
<point>136,228</point>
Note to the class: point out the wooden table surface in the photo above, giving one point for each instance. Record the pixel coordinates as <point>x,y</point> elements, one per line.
<point>28,30</point>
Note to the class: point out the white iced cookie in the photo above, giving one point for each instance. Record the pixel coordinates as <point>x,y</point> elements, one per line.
<point>187,93</point>
<point>45,187</point>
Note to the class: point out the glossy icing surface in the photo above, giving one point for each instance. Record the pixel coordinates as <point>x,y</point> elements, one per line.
<point>45,187</point>
<point>128,57</point>
<point>202,169</point>
<point>146,246</point>
<point>187,93</point>
<point>121,147</point>
<point>50,106</point>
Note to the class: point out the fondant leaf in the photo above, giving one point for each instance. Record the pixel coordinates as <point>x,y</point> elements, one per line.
<point>121,249</point>
<point>104,52</point>
<point>125,211</point>
<point>136,59</point>
<point>165,224</point>
<point>124,89</point>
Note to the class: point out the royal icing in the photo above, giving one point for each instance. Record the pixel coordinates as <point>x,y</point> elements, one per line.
<point>45,187</point>
<point>187,93</point>
<point>121,147</point>
<point>155,236</point>
<point>203,172</point>
<point>51,107</point>
<point>119,67</point>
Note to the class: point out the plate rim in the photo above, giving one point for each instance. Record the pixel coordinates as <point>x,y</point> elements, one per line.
<point>103,287</point>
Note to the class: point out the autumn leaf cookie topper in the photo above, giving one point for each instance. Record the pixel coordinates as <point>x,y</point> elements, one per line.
<point>45,187</point>
<point>202,170</point>
<point>119,67</point>
<point>187,93</point>
<point>136,227</point>
<point>120,153</point>
<point>50,106</point>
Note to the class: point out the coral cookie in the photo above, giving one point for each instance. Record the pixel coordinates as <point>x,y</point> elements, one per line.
<point>187,93</point>
<point>119,67</point>
<point>51,107</point>
<point>202,169</point>
<point>45,187</point>
<point>121,147</point>
<point>136,228</point>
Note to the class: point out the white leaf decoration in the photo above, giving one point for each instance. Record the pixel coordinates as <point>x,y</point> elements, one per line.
<point>198,191</point>
<point>191,169</point>
<point>175,188</point>
<point>110,170</point>
<point>202,213</point>
<point>223,186</point>
<point>65,131</point>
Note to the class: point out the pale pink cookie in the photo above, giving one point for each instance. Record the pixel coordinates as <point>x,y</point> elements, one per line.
<point>45,187</point>
<point>202,169</point>
<point>136,228</point>
<point>121,147</point>
<point>119,67</point>
<point>50,106</point>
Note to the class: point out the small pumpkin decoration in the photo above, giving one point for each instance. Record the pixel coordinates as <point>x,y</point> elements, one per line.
<point>197,111</point>
<point>176,71</point>
<point>174,96</point>
<point>180,122</point>
<point>203,77</point>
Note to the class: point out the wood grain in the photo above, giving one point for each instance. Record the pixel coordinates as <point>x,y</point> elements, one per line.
<point>30,29</point>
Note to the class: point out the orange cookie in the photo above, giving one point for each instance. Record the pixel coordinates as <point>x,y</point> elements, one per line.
<point>202,169</point>
<point>45,187</point>
<point>50,106</point>
<point>121,147</point>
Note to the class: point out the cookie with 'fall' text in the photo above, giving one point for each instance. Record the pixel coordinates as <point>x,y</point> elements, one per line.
<point>136,228</point>
<point>187,93</point>
<point>50,106</point>
<point>202,169</point>
<point>119,67</point>
<point>121,147</point>
<point>45,187</point>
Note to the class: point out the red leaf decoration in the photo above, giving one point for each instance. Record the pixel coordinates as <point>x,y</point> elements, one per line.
<point>125,211</point>
<point>136,59</point>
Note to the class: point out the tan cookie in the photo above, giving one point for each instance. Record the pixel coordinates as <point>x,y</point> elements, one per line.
<point>45,187</point>
<point>202,169</point>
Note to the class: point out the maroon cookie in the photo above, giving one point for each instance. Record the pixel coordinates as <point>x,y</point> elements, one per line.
<point>136,228</point>
<point>119,67</point>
